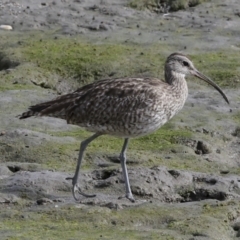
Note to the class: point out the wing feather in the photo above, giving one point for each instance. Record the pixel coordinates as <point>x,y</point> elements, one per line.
<point>101,102</point>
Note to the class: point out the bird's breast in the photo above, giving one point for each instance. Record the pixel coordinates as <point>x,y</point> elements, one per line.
<point>132,125</point>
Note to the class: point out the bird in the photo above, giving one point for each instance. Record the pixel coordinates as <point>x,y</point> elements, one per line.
<point>126,108</point>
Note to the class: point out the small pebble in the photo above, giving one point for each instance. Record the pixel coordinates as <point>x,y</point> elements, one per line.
<point>224,171</point>
<point>44,201</point>
<point>236,226</point>
<point>203,148</point>
<point>6,27</point>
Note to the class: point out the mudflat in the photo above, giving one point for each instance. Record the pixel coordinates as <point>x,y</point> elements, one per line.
<point>185,176</point>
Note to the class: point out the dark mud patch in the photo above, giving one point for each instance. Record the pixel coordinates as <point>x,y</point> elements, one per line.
<point>6,63</point>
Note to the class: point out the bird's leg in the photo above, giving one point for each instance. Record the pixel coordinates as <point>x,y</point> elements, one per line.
<point>75,187</point>
<point>125,173</point>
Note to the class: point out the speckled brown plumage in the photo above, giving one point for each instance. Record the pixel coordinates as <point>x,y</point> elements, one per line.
<point>124,107</point>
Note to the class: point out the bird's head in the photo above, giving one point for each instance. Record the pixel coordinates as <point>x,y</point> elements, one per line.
<point>182,66</point>
<point>179,63</point>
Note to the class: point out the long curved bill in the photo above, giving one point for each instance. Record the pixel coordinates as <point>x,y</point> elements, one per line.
<point>196,73</point>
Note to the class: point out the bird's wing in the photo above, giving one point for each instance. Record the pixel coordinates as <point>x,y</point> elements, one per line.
<point>116,101</point>
<point>105,100</point>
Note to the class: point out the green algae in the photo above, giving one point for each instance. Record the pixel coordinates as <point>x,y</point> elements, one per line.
<point>156,141</point>
<point>210,218</point>
<point>50,154</point>
<point>9,81</point>
<point>236,117</point>
<point>86,62</point>
<point>146,221</point>
<point>47,60</point>
<point>9,86</point>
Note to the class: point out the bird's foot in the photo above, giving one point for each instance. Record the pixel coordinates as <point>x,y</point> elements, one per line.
<point>129,196</point>
<point>76,190</point>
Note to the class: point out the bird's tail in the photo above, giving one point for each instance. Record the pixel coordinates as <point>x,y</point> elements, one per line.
<point>55,108</point>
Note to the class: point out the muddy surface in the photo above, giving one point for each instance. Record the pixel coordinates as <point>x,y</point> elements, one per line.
<point>185,177</point>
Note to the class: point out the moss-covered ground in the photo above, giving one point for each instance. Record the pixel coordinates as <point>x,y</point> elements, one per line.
<point>81,62</point>
<point>143,222</point>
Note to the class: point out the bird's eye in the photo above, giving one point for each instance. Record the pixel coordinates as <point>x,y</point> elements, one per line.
<point>186,64</point>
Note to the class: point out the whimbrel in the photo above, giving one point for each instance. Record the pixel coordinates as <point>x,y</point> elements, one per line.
<point>123,107</point>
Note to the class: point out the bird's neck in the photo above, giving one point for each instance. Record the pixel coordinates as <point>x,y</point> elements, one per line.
<point>178,84</point>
